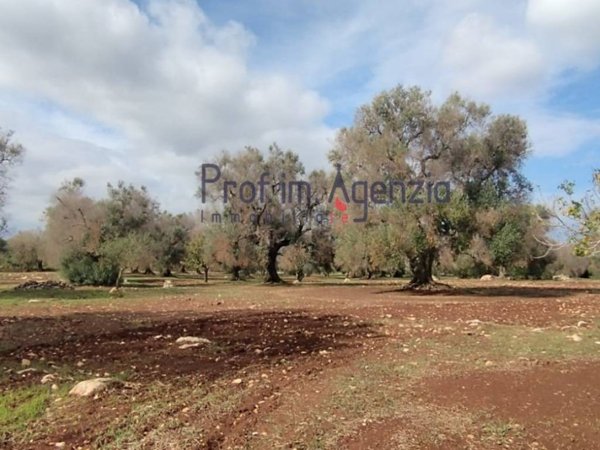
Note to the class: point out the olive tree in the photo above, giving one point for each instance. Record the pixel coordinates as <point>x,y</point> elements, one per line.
<point>403,135</point>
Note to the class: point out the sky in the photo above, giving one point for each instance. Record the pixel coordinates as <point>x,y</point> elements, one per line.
<point>145,91</point>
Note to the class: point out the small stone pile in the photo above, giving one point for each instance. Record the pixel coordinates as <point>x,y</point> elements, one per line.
<point>33,285</point>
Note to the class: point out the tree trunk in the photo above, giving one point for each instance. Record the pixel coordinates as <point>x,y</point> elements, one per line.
<point>422,269</point>
<point>119,276</point>
<point>167,272</point>
<point>205,274</point>
<point>235,273</point>
<point>272,276</point>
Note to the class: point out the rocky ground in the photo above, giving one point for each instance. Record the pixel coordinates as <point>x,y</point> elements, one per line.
<point>489,364</point>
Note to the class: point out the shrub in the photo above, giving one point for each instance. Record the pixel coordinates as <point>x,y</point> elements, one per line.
<point>467,267</point>
<point>86,269</point>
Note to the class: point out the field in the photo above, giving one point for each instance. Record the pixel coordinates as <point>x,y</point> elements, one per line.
<point>320,365</point>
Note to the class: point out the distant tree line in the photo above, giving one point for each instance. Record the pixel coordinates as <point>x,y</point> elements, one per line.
<point>488,224</point>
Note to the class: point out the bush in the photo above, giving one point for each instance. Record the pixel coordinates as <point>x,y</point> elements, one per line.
<point>87,269</point>
<point>467,267</point>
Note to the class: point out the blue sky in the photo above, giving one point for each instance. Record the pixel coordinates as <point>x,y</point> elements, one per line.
<point>145,91</point>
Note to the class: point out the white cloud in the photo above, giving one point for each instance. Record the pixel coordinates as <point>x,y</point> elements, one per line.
<point>558,135</point>
<point>167,78</point>
<point>567,29</point>
<point>107,91</point>
<point>488,61</point>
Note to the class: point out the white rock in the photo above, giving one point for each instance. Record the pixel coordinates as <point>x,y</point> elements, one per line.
<point>561,277</point>
<point>237,381</point>
<point>184,346</point>
<point>25,362</point>
<point>167,284</point>
<point>575,338</point>
<point>93,386</point>
<point>487,277</point>
<point>347,280</point>
<point>49,378</point>
<point>115,292</point>
<point>191,340</point>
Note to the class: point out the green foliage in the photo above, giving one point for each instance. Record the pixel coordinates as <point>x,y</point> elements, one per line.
<point>86,269</point>
<point>25,251</point>
<point>505,244</point>
<point>196,254</point>
<point>580,218</point>
<point>467,267</point>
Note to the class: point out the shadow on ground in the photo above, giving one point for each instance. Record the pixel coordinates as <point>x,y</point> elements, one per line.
<point>143,345</point>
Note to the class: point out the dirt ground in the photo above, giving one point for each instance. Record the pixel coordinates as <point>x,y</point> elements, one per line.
<point>323,364</point>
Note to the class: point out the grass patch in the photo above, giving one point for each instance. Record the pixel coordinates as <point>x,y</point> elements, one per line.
<point>19,408</point>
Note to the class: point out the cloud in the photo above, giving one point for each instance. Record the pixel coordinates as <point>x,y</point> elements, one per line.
<point>488,61</point>
<point>110,90</point>
<point>557,135</point>
<point>567,30</point>
<point>107,91</point>
<point>165,77</point>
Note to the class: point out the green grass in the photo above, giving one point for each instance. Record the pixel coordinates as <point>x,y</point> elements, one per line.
<point>19,408</point>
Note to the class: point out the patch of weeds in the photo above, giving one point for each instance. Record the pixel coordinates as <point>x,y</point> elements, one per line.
<point>19,408</point>
<point>501,432</point>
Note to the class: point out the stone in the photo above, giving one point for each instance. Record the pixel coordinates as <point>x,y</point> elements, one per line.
<point>167,284</point>
<point>25,362</point>
<point>115,292</point>
<point>191,340</point>
<point>184,346</point>
<point>49,378</point>
<point>93,386</point>
<point>575,338</point>
<point>561,277</point>
<point>237,381</point>
<point>487,277</point>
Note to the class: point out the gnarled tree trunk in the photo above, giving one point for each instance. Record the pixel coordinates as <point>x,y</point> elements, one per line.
<point>272,276</point>
<point>421,266</point>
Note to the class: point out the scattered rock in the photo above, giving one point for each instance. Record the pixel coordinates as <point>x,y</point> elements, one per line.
<point>561,277</point>
<point>487,277</point>
<point>191,340</point>
<point>296,282</point>
<point>167,284</point>
<point>582,323</point>
<point>35,285</point>
<point>489,363</point>
<point>237,381</point>
<point>347,280</point>
<point>93,386</point>
<point>25,362</point>
<point>575,338</point>
<point>184,346</point>
<point>60,445</point>
<point>115,292</point>
<point>49,378</point>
